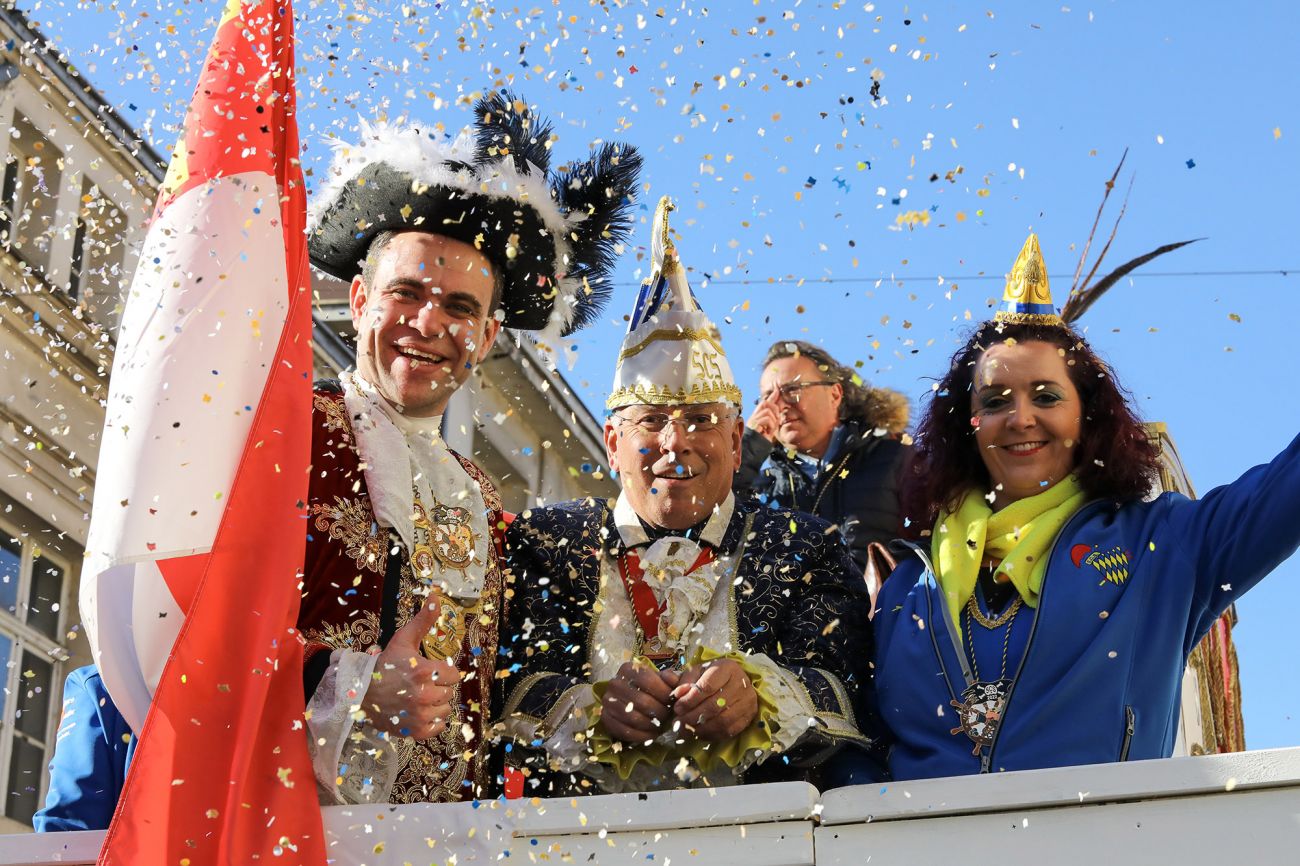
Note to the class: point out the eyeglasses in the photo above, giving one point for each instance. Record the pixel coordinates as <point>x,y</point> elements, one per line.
<point>696,421</point>
<point>791,391</point>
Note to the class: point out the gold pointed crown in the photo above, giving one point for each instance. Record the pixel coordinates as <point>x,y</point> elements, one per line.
<point>1027,299</point>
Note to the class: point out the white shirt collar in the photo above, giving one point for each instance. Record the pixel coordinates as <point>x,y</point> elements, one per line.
<point>633,533</point>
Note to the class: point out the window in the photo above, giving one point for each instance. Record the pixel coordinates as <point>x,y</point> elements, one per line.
<point>97,245</point>
<point>33,583</point>
<point>33,172</point>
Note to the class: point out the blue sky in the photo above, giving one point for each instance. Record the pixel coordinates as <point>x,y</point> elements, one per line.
<point>759,120</point>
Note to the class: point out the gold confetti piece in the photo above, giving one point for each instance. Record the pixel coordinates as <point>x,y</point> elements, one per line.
<point>1277,133</point>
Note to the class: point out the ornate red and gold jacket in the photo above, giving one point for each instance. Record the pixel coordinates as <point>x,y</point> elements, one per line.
<point>355,595</point>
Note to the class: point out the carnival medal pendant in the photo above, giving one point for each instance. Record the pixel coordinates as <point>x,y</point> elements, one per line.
<point>980,712</point>
<point>448,635</point>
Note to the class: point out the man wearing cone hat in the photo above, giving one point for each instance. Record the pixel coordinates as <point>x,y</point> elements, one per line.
<point>678,636</point>
<point>444,241</point>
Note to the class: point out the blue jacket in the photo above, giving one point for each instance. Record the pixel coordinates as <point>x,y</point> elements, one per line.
<point>91,752</point>
<point>1129,592</point>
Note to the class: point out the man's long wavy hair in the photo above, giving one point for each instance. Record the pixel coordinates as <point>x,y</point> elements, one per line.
<point>1115,460</point>
<point>871,406</point>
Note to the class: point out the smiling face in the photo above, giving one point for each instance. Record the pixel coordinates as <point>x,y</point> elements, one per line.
<point>423,322</point>
<point>808,419</point>
<point>1029,418</point>
<point>676,477</point>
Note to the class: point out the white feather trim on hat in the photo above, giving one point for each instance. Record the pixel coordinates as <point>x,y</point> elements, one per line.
<point>414,152</point>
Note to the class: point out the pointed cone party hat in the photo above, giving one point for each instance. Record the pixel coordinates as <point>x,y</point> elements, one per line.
<point>672,353</point>
<point>1027,299</point>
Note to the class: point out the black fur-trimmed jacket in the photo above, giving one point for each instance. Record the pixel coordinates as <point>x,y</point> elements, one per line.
<point>856,487</point>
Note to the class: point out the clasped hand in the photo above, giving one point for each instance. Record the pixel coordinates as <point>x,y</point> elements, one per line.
<point>715,701</point>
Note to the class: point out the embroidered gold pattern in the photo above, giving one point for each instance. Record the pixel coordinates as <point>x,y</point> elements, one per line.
<point>661,395</point>
<point>359,635</point>
<point>452,766</point>
<point>437,770</point>
<point>352,522</point>
<point>336,415</point>
<point>709,336</point>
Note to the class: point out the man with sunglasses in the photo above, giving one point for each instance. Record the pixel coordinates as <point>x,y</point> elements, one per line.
<point>678,636</point>
<point>822,442</point>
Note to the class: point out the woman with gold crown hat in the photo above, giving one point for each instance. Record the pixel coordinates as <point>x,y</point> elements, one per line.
<point>1045,616</point>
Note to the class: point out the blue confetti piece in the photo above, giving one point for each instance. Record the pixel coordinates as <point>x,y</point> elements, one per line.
<point>1191,163</point>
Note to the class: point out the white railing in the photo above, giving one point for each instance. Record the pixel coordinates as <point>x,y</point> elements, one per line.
<point>1218,809</point>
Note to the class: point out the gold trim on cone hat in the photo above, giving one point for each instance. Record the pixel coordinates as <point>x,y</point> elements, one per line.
<point>672,353</point>
<point>1027,298</point>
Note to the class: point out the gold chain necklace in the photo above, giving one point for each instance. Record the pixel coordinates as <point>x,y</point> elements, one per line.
<point>973,608</point>
<point>983,704</point>
<point>1006,639</point>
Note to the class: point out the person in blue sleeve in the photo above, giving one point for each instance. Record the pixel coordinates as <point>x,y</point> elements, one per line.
<point>1047,618</point>
<point>91,753</point>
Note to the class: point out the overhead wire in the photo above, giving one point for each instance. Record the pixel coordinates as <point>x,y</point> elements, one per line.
<point>899,278</point>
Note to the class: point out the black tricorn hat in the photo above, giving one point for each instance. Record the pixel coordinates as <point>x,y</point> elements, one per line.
<point>552,236</point>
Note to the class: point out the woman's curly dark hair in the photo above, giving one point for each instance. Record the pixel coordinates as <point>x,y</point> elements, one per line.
<point>1116,459</point>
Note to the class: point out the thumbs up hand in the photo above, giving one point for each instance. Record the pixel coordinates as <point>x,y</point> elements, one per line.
<point>410,695</point>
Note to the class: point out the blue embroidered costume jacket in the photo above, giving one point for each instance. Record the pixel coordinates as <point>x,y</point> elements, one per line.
<point>795,601</point>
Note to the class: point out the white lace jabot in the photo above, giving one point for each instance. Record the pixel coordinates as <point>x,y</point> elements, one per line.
<point>401,455</point>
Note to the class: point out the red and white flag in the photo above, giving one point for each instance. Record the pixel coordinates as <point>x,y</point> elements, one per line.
<point>190,589</point>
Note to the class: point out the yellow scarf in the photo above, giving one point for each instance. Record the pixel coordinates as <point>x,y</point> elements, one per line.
<point>1019,535</point>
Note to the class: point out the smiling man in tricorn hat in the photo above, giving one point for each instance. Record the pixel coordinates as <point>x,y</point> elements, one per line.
<point>444,241</point>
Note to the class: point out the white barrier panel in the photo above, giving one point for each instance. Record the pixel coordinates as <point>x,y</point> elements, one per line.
<point>1234,808</point>
<point>42,849</point>
<point>762,825</point>
<point>1207,810</point>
